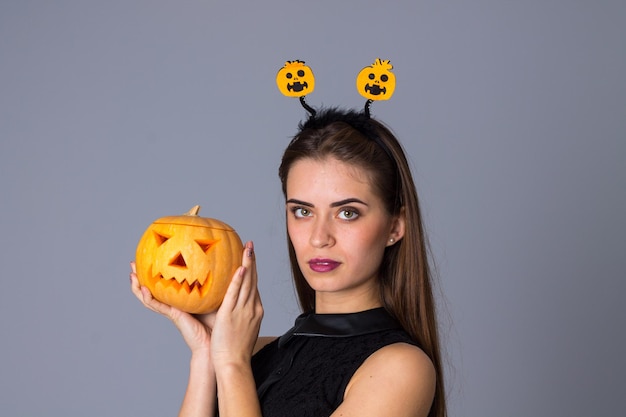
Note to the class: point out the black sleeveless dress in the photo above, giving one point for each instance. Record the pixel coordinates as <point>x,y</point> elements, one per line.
<point>305,372</point>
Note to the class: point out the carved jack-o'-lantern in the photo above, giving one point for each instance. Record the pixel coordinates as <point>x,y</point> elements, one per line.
<point>188,261</point>
<point>295,79</point>
<point>376,82</point>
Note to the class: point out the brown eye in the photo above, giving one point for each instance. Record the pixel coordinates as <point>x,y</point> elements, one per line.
<point>348,214</point>
<point>300,212</point>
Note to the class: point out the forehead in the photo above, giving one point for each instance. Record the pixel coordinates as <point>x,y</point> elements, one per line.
<point>327,176</point>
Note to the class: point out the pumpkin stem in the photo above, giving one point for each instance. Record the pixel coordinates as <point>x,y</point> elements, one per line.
<point>193,212</point>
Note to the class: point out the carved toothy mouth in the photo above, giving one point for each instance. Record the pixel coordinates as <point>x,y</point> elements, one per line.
<point>172,283</point>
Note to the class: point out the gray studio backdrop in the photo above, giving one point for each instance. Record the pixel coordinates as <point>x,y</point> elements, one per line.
<point>115,113</point>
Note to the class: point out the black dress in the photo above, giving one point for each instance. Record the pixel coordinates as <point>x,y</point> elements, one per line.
<point>305,372</point>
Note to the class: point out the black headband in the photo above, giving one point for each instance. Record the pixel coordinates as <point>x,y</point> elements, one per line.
<point>360,121</point>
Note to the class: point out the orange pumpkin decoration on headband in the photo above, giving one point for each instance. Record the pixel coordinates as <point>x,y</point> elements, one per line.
<point>188,261</point>
<point>295,79</point>
<point>376,82</point>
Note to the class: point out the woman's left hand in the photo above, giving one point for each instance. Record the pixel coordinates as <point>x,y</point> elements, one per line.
<point>238,320</point>
<point>195,328</point>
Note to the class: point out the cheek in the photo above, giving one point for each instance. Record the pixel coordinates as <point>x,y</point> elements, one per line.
<point>299,238</point>
<point>369,245</point>
<point>295,235</point>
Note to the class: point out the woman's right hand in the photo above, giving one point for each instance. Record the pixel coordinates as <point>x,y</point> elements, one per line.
<point>195,329</point>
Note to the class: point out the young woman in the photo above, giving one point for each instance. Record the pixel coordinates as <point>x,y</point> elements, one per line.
<point>366,344</point>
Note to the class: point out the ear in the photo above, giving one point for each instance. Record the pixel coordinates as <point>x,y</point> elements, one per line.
<point>397,228</point>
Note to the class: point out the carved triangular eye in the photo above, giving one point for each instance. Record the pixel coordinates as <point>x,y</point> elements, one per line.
<point>205,246</point>
<point>160,238</point>
<point>178,261</point>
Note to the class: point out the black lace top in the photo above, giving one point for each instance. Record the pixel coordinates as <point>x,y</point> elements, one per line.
<point>305,372</point>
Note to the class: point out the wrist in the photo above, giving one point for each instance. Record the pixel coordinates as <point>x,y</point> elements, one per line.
<point>228,366</point>
<point>201,357</point>
<point>232,373</point>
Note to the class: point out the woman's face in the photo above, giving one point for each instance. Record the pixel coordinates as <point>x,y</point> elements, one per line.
<point>339,229</point>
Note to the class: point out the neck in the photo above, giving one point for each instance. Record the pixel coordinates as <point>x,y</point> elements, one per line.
<point>333,303</point>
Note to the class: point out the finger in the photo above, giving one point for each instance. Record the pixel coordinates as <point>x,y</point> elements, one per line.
<point>255,277</point>
<point>252,290</point>
<point>141,292</point>
<point>247,258</point>
<point>252,258</point>
<point>232,292</point>
<point>144,295</point>
<point>249,286</point>
<point>155,305</point>
<point>148,300</point>
<point>134,281</point>
<point>135,287</point>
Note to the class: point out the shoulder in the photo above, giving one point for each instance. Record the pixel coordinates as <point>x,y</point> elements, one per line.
<point>398,379</point>
<point>401,362</point>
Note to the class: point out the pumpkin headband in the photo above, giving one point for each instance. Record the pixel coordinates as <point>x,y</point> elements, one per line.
<point>375,82</point>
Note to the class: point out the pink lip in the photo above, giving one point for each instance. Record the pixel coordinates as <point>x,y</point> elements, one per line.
<point>323,265</point>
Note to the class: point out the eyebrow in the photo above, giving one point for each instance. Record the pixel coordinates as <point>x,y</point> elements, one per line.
<point>335,204</point>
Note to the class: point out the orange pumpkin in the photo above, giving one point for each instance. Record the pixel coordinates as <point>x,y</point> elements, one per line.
<point>188,261</point>
<point>376,82</point>
<point>295,79</point>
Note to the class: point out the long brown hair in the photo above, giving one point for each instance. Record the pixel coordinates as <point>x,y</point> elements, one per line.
<point>405,272</point>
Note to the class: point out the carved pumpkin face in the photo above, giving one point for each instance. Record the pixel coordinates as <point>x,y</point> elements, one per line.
<point>295,79</point>
<point>188,261</point>
<point>376,82</point>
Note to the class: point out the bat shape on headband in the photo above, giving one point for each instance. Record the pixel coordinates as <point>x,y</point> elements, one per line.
<point>374,82</point>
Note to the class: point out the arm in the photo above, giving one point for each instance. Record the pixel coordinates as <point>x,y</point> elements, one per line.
<point>200,397</point>
<point>202,385</point>
<point>229,334</point>
<point>233,340</point>
<point>201,394</point>
<point>396,381</point>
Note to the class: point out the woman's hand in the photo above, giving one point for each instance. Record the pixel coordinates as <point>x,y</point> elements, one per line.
<point>238,320</point>
<point>195,329</point>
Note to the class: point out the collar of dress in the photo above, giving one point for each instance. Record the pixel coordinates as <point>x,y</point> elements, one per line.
<point>340,325</point>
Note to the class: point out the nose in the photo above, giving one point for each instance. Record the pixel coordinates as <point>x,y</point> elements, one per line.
<point>321,234</point>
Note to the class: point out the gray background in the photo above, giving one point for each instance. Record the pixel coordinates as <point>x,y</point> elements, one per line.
<point>115,113</point>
